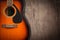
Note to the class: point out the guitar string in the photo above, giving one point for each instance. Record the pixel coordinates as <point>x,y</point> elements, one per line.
<point>9,3</point>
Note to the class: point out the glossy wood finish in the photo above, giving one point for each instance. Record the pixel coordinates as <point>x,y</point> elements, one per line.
<point>18,33</point>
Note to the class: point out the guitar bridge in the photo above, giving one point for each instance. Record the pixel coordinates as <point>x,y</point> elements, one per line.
<point>9,26</point>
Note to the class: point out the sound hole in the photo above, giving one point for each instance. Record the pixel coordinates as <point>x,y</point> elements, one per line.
<point>9,11</point>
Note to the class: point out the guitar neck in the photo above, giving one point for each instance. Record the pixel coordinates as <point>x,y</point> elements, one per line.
<point>9,3</point>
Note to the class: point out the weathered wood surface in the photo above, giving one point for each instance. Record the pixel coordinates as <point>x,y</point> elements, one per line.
<point>43,18</point>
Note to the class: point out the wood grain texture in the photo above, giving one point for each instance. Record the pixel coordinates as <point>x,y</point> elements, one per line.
<point>43,18</point>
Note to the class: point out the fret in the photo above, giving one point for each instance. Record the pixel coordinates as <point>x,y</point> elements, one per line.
<point>9,2</point>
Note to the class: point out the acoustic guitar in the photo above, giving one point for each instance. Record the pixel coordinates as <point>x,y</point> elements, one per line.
<point>13,25</point>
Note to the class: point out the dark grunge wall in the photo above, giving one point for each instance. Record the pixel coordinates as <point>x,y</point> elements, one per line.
<point>43,17</point>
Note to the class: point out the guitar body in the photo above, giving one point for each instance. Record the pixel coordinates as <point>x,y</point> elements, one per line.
<point>12,26</point>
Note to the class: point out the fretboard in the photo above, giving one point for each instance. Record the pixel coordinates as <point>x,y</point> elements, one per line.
<point>9,3</point>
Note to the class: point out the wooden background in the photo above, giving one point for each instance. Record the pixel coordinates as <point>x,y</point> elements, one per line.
<point>43,17</point>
